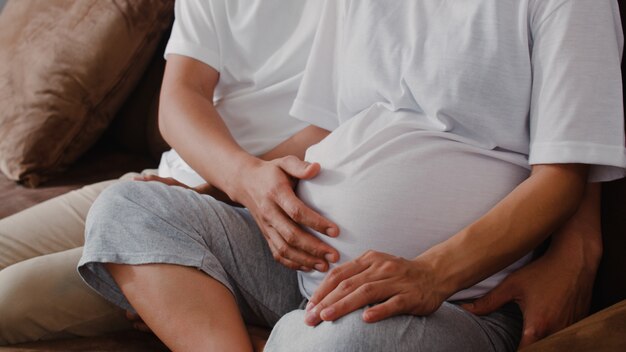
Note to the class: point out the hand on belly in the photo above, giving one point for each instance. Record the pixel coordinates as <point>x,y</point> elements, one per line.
<point>400,191</point>
<point>396,285</point>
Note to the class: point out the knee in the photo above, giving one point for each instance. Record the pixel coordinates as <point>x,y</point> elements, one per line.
<point>120,193</point>
<point>119,199</point>
<point>17,295</point>
<point>345,334</point>
<point>351,333</point>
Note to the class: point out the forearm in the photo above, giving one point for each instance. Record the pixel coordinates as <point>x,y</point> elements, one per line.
<point>204,141</point>
<point>579,241</point>
<point>512,228</point>
<point>297,144</point>
<point>191,125</point>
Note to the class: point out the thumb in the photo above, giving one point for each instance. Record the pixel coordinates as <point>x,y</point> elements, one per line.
<point>298,168</point>
<point>170,181</point>
<point>148,177</point>
<point>530,335</point>
<point>536,326</point>
<point>490,302</point>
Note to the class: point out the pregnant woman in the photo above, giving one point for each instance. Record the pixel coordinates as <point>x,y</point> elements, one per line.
<point>463,134</point>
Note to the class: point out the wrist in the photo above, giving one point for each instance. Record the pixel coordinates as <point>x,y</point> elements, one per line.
<point>457,263</point>
<point>593,253</point>
<point>235,181</point>
<point>445,276</point>
<point>579,241</point>
<point>582,252</point>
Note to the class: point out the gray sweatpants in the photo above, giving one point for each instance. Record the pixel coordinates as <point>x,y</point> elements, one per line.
<point>140,223</point>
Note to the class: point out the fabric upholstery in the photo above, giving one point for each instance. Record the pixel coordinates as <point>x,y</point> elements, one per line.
<point>66,67</point>
<point>101,163</point>
<point>128,341</point>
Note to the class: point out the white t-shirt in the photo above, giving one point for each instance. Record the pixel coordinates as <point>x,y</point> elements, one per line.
<point>260,48</point>
<point>438,108</point>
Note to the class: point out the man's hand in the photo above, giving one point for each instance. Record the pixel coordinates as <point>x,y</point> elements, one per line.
<point>552,294</point>
<point>267,190</point>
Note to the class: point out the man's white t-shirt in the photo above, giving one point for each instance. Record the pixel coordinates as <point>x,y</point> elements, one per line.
<point>260,48</point>
<point>438,109</point>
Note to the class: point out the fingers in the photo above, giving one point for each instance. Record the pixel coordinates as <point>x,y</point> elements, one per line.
<point>301,214</point>
<point>293,242</point>
<point>353,299</point>
<point>334,297</point>
<point>393,306</point>
<point>131,316</point>
<point>531,334</point>
<point>403,287</point>
<point>141,326</point>
<point>301,241</point>
<point>206,188</point>
<point>334,278</point>
<point>297,168</point>
<point>492,301</point>
<point>287,244</point>
<point>283,254</point>
<point>539,322</point>
<point>138,323</point>
<point>258,337</point>
<point>151,177</point>
<point>170,181</point>
<point>294,207</point>
<point>279,213</point>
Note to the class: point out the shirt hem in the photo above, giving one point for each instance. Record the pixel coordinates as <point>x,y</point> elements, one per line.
<point>314,115</point>
<point>607,162</point>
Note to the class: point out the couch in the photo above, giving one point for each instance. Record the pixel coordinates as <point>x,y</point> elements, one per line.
<point>130,141</point>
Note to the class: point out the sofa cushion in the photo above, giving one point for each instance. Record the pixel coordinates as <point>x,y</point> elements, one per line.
<point>66,67</point>
<point>103,162</point>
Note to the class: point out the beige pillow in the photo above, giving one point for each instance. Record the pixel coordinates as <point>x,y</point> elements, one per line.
<point>66,67</point>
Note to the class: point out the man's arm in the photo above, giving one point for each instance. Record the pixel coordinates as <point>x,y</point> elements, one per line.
<point>554,291</point>
<point>512,228</point>
<point>190,123</point>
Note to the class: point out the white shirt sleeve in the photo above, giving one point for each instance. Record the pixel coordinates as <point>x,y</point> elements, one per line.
<point>316,102</point>
<point>194,33</point>
<point>576,113</point>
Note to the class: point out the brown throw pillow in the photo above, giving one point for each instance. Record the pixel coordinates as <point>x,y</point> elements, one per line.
<point>66,67</point>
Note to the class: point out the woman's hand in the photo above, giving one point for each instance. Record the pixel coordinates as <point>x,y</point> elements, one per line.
<point>137,322</point>
<point>205,188</point>
<point>266,188</point>
<point>170,181</point>
<point>396,285</point>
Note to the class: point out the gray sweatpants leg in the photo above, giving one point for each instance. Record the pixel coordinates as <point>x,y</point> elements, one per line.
<point>450,328</point>
<point>139,223</point>
<point>148,222</point>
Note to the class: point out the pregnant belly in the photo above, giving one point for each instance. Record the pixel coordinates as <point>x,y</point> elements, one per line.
<point>400,190</point>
